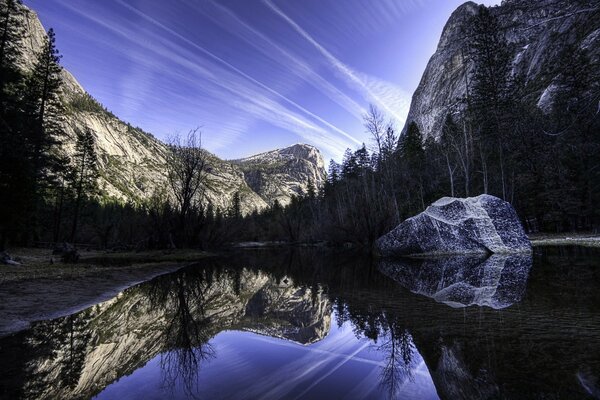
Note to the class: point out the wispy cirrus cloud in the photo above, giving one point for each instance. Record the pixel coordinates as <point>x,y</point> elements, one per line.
<point>299,67</point>
<point>213,84</point>
<point>265,87</point>
<point>390,98</point>
<point>253,75</point>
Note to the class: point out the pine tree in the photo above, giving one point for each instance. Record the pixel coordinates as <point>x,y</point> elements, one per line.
<point>14,168</point>
<point>363,161</point>
<point>44,112</point>
<point>84,177</point>
<point>411,144</point>
<point>236,206</point>
<point>491,94</point>
<point>413,163</point>
<point>491,58</point>
<point>333,173</point>
<point>11,34</point>
<point>349,164</point>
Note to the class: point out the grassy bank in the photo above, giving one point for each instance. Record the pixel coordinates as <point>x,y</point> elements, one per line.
<point>565,239</point>
<point>41,263</point>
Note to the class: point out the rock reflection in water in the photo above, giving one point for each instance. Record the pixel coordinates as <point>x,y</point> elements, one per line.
<point>497,281</point>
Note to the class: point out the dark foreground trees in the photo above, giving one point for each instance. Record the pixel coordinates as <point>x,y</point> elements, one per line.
<point>30,116</point>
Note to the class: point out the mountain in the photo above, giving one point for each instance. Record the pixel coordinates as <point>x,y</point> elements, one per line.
<point>133,162</point>
<point>539,34</point>
<point>278,174</point>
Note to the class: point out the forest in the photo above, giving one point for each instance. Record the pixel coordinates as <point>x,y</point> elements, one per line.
<point>496,140</point>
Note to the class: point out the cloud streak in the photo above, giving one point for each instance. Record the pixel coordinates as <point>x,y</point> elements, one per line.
<point>240,72</point>
<point>255,77</point>
<point>220,84</point>
<point>386,96</point>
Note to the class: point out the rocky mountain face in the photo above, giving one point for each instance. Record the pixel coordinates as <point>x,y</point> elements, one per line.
<point>133,162</point>
<point>277,174</point>
<point>538,32</point>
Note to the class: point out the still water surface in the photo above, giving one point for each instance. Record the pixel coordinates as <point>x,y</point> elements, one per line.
<point>325,325</point>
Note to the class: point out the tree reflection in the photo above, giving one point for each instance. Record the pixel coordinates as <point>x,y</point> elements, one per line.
<point>398,347</point>
<point>395,341</point>
<point>187,330</point>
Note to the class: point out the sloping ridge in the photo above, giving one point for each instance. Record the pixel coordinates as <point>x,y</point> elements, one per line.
<point>133,162</point>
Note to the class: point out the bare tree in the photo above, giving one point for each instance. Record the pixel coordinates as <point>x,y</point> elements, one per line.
<point>375,124</point>
<point>187,170</point>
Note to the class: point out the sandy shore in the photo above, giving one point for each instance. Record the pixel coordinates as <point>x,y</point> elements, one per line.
<point>38,290</point>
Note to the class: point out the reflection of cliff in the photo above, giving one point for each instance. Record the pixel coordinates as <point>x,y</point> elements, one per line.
<point>177,314</point>
<point>497,281</point>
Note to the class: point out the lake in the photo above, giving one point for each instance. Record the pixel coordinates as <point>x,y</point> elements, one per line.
<point>321,324</point>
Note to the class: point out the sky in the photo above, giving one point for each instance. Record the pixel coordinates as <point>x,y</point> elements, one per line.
<point>253,75</point>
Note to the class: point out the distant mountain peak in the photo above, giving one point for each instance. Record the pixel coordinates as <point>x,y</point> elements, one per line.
<point>281,173</point>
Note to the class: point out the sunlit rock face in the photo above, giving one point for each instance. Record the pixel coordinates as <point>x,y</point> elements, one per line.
<point>133,162</point>
<point>538,33</point>
<point>176,314</point>
<point>482,224</point>
<point>277,175</point>
<point>498,281</point>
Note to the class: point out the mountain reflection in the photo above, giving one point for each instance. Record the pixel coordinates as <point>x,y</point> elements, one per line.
<point>546,345</point>
<point>497,281</point>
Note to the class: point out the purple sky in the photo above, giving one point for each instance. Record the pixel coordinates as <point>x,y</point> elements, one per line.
<point>254,74</point>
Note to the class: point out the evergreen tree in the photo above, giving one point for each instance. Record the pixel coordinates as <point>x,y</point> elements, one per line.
<point>84,177</point>
<point>333,172</point>
<point>413,166</point>
<point>411,145</point>
<point>491,95</point>
<point>14,169</point>
<point>390,141</point>
<point>491,58</point>
<point>349,164</point>
<point>11,35</point>
<point>363,161</point>
<point>43,126</point>
<point>236,206</point>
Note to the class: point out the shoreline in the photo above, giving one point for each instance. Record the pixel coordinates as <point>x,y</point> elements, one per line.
<point>37,290</point>
<point>565,239</point>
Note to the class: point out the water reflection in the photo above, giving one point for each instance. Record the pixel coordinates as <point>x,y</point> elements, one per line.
<point>497,281</point>
<point>321,325</point>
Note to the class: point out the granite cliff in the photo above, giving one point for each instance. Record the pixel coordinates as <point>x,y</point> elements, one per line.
<point>539,33</point>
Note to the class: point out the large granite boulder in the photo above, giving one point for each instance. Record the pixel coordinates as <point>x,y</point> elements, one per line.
<point>482,224</point>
